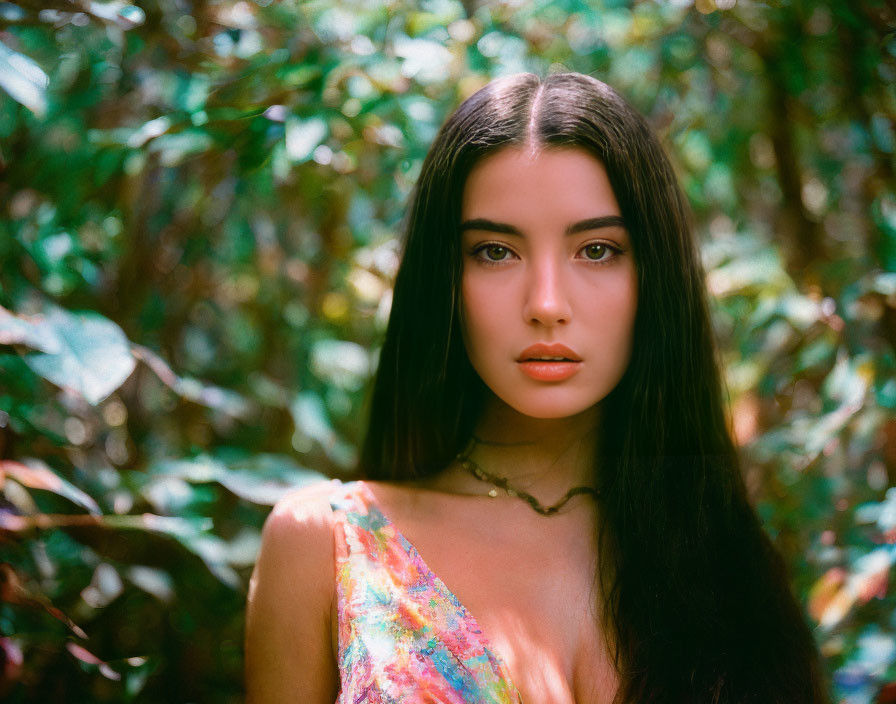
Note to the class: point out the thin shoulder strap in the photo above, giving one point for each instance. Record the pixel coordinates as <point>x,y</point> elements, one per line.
<point>357,528</point>
<point>347,500</point>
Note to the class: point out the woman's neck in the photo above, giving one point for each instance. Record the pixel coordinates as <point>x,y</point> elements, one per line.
<point>542,456</point>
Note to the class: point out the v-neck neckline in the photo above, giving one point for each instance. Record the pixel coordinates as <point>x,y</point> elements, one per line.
<point>414,555</point>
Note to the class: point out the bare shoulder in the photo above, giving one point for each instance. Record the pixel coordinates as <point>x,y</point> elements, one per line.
<point>288,629</point>
<point>301,512</point>
<point>298,536</point>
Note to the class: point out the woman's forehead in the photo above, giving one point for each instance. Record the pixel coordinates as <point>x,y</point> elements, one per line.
<point>519,183</point>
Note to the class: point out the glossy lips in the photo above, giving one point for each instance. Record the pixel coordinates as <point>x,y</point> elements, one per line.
<point>549,362</point>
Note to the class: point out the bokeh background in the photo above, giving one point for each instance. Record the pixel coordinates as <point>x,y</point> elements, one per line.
<point>199,210</point>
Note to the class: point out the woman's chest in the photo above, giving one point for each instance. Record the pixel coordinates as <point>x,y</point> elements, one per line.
<point>531,588</point>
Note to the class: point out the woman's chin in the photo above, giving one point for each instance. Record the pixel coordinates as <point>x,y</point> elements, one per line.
<point>552,410</point>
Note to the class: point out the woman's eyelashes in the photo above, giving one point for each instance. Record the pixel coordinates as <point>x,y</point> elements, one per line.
<point>599,252</point>
<point>496,253</point>
<point>492,253</point>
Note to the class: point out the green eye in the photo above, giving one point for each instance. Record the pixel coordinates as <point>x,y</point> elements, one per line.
<point>496,252</point>
<point>595,251</point>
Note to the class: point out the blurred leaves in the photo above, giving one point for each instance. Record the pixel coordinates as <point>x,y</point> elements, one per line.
<point>23,80</point>
<point>42,477</point>
<point>197,247</point>
<point>261,479</point>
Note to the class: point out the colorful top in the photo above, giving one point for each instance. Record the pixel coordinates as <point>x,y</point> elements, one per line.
<point>403,637</point>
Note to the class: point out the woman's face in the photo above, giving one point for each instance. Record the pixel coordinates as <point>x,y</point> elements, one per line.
<point>549,280</point>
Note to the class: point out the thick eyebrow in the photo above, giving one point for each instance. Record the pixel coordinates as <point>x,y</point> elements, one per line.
<point>582,226</point>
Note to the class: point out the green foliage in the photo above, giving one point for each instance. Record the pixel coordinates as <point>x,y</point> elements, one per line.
<point>197,243</point>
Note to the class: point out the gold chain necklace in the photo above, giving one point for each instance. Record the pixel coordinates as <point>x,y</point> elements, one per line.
<point>501,482</point>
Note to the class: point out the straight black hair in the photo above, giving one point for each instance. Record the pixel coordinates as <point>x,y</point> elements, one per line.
<point>695,599</point>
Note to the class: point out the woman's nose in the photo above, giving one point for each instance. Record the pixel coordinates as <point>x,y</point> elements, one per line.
<point>546,300</point>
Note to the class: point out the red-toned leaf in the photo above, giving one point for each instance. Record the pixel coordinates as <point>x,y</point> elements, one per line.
<point>38,475</point>
<point>86,656</point>
<point>14,591</point>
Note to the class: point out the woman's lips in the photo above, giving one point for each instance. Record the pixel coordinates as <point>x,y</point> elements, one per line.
<point>549,362</point>
<point>549,371</point>
<point>543,350</point>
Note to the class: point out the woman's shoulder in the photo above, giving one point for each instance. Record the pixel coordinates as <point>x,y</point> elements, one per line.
<point>309,512</point>
<point>297,539</point>
<point>303,514</point>
<point>289,633</point>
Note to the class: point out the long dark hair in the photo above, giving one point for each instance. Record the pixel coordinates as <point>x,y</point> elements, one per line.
<point>696,600</point>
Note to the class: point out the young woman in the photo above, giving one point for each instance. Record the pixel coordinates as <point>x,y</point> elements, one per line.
<point>552,508</point>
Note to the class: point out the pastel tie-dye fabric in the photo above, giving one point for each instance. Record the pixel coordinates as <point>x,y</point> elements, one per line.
<point>403,636</point>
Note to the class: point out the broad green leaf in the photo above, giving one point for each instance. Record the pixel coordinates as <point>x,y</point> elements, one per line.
<point>93,359</point>
<point>262,479</point>
<point>134,537</point>
<point>30,331</point>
